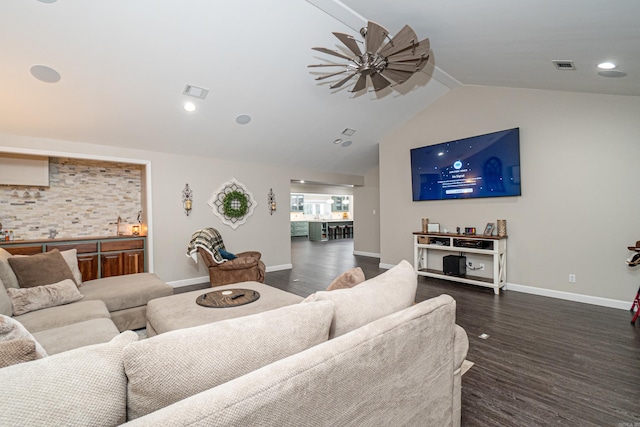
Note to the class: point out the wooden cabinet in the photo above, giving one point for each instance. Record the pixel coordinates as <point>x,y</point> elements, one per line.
<point>97,257</point>
<point>340,204</point>
<point>297,203</point>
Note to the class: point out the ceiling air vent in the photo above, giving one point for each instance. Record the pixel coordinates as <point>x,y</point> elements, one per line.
<point>564,65</point>
<point>195,91</point>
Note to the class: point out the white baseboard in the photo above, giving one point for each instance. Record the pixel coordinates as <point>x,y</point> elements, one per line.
<point>189,282</point>
<point>569,296</point>
<point>279,267</point>
<point>386,266</point>
<point>369,254</point>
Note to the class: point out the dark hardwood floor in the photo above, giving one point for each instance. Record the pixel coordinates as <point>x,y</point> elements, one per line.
<point>546,361</point>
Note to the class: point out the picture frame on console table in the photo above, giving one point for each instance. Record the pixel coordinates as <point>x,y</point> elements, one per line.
<point>488,230</point>
<point>433,227</point>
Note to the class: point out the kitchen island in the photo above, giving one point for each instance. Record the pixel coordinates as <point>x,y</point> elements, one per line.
<point>319,228</point>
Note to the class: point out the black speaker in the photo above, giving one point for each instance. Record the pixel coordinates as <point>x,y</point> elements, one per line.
<point>454,265</point>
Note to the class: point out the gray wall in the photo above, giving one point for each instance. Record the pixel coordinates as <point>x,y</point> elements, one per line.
<point>367,214</point>
<point>579,206</point>
<point>171,228</point>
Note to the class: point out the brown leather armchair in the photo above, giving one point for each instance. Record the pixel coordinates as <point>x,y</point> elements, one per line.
<point>246,267</point>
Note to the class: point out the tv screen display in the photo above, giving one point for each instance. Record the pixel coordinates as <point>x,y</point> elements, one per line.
<point>480,166</point>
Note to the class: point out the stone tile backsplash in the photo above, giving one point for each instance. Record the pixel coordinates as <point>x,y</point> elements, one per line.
<point>84,198</point>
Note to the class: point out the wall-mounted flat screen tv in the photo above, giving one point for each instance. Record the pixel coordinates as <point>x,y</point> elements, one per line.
<point>480,166</point>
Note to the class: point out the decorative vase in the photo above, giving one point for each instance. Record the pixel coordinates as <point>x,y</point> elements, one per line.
<point>502,227</point>
<point>425,224</point>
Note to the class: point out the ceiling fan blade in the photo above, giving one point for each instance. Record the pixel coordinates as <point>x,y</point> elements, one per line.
<point>331,75</point>
<point>327,65</point>
<point>349,42</point>
<point>360,84</point>
<point>397,76</point>
<point>332,52</point>
<point>379,82</point>
<point>416,51</point>
<point>376,34</point>
<point>400,41</point>
<point>399,66</point>
<point>343,81</point>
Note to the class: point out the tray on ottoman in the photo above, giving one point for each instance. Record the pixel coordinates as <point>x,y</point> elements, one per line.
<point>181,310</point>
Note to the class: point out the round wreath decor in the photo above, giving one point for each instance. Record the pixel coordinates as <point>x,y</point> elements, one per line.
<point>235,204</point>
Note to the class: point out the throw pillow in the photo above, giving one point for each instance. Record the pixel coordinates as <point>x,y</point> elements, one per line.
<point>35,298</point>
<point>11,329</point>
<point>80,387</point>
<point>391,291</point>
<point>17,351</point>
<point>5,301</point>
<point>7,275</point>
<point>40,269</point>
<point>226,255</point>
<point>348,279</point>
<point>71,258</point>
<point>172,366</point>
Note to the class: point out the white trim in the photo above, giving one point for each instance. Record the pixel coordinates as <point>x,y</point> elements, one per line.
<point>386,266</point>
<point>189,282</point>
<point>569,296</point>
<point>145,163</point>
<point>279,267</point>
<point>369,254</point>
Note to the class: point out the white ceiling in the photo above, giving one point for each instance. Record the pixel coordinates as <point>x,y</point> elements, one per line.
<point>124,65</point>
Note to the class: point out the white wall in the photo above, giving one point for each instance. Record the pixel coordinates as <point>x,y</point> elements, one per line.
<point>367,211</point>
<point>172,229</point>
<point>579,166</point>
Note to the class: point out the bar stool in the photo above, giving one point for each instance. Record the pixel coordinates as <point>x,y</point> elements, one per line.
<point>348,230</point>
<point>333,232</point>
<point>341,230</point>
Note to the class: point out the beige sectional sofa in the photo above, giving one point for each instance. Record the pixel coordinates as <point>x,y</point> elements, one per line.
<point>105,307</point>
<point>349,357</point>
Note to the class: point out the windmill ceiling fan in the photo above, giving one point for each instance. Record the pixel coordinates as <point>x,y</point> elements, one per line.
<point>396,61</point>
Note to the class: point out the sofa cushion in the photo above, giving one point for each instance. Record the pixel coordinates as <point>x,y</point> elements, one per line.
<point>89,332</point>
<point>7,275</point>
<point>71,258</point>
<point>5,302</point>
<point>387,293</point>
<point>11,329</point>
<point>348,279</point>
<point>172,366</point>
<point>130,290</point>
<point>17,351</point>
<point>63,315</point>
<point>35,298</point>
<point>81,387</point>
<point>40,269</point>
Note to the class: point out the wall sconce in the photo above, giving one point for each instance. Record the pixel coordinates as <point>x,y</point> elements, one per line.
<point>187,199</point>
<point>135,230</point>
<point>271,201</point>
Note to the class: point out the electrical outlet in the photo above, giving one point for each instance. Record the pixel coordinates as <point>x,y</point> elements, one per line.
<point>572,278</point>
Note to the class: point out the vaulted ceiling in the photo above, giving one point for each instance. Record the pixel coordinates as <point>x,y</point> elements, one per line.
<point>124,65</point>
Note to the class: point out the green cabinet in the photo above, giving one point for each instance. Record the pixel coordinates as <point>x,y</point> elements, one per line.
<point>318,231</point>
<point>340,203</point>
<point>299,228</point>
<point>297,203</point>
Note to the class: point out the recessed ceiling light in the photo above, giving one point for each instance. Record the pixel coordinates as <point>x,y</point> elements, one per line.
<point>243,119</point>
<point>45,74</point>
<point>47,1</point>
<point>337,141</point>
<point>190,107</point>
<point>607,66</point>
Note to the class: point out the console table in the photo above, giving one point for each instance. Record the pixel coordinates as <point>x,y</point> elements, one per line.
<point>494,247</point>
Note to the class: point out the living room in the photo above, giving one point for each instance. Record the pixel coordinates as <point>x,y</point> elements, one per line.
<point>576,215</point>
